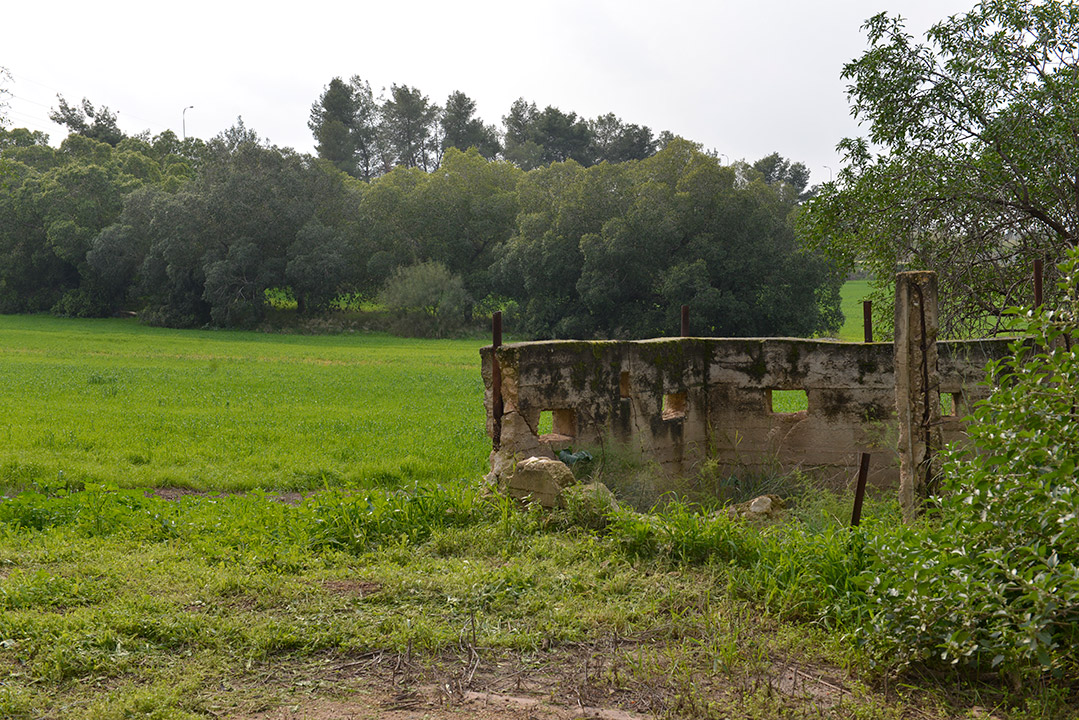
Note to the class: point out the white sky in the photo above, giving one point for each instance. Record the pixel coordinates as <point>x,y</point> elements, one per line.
<point>745,78</point>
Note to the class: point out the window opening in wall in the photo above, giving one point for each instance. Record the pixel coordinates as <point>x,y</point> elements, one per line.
<point>949,404</point>
<point>674,406</point>
<point>623,384</point>
<point>557,422</point>
<point>785,402</point>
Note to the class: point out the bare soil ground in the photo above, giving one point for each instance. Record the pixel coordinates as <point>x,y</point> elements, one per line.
<point>607,681</point>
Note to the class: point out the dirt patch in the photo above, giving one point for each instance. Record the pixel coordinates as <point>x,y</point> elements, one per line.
<point>414,705</point>
<point>351,588</point>
<point>815,684</point>
<point>175,493</point>
<point>606,681</point>
<point>178,493</point>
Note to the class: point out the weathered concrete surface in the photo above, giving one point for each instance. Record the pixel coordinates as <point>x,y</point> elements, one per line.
<point>679,401</point>
<point>917,389</point>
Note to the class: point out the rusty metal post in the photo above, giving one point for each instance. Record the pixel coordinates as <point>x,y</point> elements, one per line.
<point>1038,275</point>
<point>867,319</point>
<point>685,321</point>
<point>496,377</point>
<point>859,493</point>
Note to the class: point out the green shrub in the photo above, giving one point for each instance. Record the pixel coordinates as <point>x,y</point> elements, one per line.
<point>426,300</point>
<point>990,580</point>
<point>82,303</point>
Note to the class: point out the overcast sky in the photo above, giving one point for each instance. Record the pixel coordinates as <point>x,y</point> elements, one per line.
<point>744,78</point>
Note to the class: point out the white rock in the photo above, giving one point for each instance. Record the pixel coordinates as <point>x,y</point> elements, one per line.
<point>540,480</point>
<point>760,505</point>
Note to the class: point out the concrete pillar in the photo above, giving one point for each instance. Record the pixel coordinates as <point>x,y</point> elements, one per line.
<point>917,389</point>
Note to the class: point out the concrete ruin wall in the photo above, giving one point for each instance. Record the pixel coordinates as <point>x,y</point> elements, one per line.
<point>678,401</point>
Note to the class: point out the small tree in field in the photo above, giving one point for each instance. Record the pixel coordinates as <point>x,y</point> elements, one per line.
<point>426,300</point>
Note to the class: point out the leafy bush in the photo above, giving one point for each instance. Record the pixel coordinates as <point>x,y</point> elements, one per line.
<point>991,579</point>
<point>82,303</point>
<point>426,300</point>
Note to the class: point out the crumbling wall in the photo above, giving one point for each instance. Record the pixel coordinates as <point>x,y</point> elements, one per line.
<point>678,401</point>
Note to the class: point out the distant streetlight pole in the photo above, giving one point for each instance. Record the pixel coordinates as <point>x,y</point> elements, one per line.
<point>183,119</point>
<point>829,172</point>
<point>725,155</point>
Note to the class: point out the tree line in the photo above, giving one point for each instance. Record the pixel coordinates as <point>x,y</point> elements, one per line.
<point>366,136</point>
<point>191,233</point>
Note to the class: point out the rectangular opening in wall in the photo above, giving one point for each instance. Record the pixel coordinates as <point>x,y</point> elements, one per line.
<point>785,402</point>
<point>546,422</point>
<point>674,406</point>
<point>623,384</point>
<point>557,422</point>
<point>949,404</point>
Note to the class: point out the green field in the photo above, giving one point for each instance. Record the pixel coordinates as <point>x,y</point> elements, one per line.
<point>405,585</point>
<point>852,294</point>
<point>113,401</point>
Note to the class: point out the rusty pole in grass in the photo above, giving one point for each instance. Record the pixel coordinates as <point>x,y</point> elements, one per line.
<point>496,377</point>
<point>1037,282</point>
<point>685,321</point>
<point>859,493</point>
<point>863,469</point>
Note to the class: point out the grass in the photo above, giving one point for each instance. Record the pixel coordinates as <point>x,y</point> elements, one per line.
<point>112,401</point>
<point>789,401</point>
<point>404,577</point>
<point>852,294</point>
<point>114,604</point>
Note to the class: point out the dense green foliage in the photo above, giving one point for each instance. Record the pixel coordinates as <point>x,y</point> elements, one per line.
<point>992,580</point>
<point>86,120</point>
<point>427,300</point>
<point>194,234</point>
<point>367,136</point>
<point>55,204</point>
<point>616,250</point>
<point>968,167</point>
